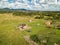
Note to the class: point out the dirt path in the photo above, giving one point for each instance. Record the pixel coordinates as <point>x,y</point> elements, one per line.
<point>27,38</point>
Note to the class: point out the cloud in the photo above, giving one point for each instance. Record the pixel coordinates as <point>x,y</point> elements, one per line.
<point>3,3</point>
<point>31,4</point>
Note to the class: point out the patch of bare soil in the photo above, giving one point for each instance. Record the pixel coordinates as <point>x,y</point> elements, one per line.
<point>31,42</point>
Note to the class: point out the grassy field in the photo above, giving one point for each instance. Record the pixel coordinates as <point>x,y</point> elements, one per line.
<point>10,35</point>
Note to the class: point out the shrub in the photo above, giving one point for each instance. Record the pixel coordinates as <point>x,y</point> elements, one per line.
<point>34,38</point>
<point>37,17</point>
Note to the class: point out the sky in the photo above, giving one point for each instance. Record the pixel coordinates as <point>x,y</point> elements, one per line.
<point>42,5</point>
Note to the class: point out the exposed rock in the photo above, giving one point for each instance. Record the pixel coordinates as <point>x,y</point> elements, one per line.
<point>24,27</point>
<point>30,20</point>
<point>48,23</point>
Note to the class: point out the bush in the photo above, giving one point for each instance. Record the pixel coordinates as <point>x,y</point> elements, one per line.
<point>58,26</point>
<point>37,17</point>
<point>34,38</point>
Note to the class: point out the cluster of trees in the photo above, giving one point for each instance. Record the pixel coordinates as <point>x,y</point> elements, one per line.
<point>2,12</point>
<point>25,13</point>
<point>47,14</point>
<point>53,15</point>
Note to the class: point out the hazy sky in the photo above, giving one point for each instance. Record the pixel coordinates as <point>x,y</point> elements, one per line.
<point>44,5</point>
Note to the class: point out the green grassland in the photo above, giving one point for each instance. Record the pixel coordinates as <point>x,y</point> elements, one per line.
<point>11,35</point>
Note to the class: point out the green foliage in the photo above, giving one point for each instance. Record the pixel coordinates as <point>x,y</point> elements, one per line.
<point>46,37</point>
<point>49,36</point>
<point>10,36</point>
<point>54,15</point>
<point>35,38</point>
<point>37,17</point>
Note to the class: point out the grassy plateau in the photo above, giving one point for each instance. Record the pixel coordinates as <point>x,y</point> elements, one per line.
<point>11,35</point>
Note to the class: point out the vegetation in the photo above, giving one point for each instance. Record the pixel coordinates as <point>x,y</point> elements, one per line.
<point>46,37</point>
<point>40,33</point>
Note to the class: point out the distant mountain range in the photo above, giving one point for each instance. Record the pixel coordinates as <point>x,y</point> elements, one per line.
<point>8,9</point>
